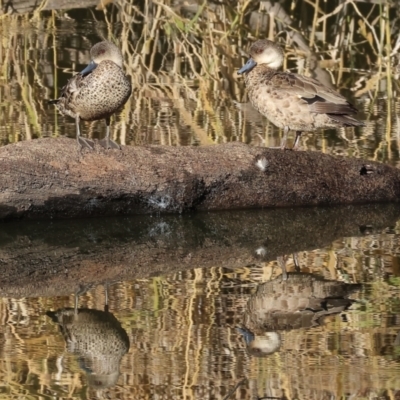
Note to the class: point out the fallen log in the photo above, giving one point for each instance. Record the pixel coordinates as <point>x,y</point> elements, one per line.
<point>51,178</point>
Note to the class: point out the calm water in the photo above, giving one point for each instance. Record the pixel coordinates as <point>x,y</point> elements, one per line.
<point>178,288</point>
<point>196,307</point>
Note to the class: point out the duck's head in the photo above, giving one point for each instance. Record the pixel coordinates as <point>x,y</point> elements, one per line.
<point>263,51</point>
<point>103,51</point>
<point>260,345</point>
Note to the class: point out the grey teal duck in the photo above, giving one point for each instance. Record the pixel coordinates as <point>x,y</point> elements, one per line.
<point>302,301</point>
<point>291,101</point>
<point>97,338</point>
<point>97,92</point>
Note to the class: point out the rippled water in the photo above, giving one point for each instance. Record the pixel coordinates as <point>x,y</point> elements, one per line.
<point>198,306</point>
<point>193,306</point>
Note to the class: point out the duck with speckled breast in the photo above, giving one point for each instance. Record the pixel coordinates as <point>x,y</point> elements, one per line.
<point>97,92</point>
<point>291,101</point>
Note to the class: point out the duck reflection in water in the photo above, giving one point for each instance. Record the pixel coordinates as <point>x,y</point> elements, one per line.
<point>97,92</point>
<point>97,338</point>
<point>300,301</point>
<point>262,253</point>
<point>291,101</point>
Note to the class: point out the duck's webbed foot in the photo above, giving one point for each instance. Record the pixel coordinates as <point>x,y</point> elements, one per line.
<point>282,263</point>
<point>82,142</point>
<point>284,138</point>
<point>107,143</point>
<point>296,145</point>
<point>85,143</point>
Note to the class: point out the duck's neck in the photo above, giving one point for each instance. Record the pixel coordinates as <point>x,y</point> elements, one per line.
<point>259,75</point>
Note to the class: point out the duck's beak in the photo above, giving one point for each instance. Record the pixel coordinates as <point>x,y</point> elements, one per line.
<point>248,66</point>
<point>91,66</point>
<point>248,336</point>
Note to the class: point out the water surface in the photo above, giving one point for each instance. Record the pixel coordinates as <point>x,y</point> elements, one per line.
<point>179,287</point>
<point>159,299</point>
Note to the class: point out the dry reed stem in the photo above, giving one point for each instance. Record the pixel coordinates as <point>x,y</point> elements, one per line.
<point>205,49</point>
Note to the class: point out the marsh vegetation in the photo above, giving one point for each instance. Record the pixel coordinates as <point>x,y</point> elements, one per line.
<point>183,58</point>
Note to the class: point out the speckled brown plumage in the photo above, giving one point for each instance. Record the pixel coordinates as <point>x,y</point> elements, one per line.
<point>98,338</point>
<point>98,91</point>
<point>302,301</point>
<point>291,101</point>
<point>95,96</point>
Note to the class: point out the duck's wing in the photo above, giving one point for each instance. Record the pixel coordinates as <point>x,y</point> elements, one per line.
<point>320,98</point>
<point>70,90</point>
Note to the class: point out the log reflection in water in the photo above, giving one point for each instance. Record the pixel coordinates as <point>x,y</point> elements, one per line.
<point>90,251</point>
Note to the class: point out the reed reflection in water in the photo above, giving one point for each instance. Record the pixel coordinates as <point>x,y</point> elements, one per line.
<point>179,293</point>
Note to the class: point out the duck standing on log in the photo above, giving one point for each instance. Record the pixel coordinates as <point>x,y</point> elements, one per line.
<point>291,101</point>
<point>97,92</point>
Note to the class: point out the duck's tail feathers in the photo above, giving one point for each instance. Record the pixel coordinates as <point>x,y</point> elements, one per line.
<point>346,120</point>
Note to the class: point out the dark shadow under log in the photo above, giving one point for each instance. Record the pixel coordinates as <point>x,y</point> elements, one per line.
<point>51,178</point>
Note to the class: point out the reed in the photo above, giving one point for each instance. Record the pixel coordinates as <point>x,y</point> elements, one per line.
<point>183,59</point>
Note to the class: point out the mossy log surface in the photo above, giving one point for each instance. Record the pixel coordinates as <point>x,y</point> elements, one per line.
<point>51,178</point>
